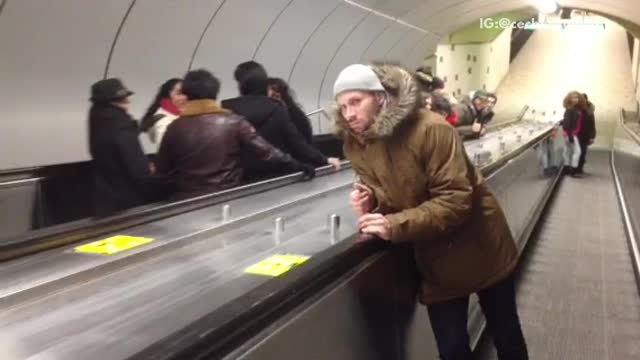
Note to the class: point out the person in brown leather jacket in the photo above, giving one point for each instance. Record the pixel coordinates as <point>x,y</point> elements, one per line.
<point>201,149</point>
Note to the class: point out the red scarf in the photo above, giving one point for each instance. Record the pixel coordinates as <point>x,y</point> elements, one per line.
<point>169,107</point>
<point>453,118</point>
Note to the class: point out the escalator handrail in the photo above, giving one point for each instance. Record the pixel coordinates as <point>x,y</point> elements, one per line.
<point>82,229</point>
<point>519,118</point>
<point>629,224</point>
<point>71,232</point>
<point>225,328</point>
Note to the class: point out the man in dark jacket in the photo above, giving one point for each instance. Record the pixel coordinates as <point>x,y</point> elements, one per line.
<point>587,134</point>
<point>487,113</point>
<point>471,122</point>
<point>271,120</point>
<point>201,149</point>
<point>123,174</point>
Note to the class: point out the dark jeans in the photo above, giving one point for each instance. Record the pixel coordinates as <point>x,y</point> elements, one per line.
<point>498,303</point>
<point>584,144</point>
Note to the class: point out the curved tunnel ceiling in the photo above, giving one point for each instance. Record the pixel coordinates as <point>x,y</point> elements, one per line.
<point>443,17</point>
<point>147,41</point>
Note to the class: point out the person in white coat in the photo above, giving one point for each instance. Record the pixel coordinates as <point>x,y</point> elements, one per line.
<point>164,110</point>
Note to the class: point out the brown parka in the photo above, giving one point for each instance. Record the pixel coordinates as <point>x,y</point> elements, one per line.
<point>431,193</point>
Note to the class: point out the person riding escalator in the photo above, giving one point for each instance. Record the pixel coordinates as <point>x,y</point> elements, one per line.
<point>271,120</point>
<point>123,174</point>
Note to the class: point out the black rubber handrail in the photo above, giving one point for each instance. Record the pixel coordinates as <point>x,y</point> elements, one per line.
<point>629,221</point>
<point>79,230</point>
<point>224,329</point>
<point>71,232</point>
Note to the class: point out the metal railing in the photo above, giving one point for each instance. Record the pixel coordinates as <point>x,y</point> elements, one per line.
<point>625,207</point>
<point>83,229</point>
<point>322,112</point>
<point>518,118</point>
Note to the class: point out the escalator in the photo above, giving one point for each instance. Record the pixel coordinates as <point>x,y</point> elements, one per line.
<point>47,207</point>
<point>191,296</point>
<point>577,284</point>
<point>577,293</point>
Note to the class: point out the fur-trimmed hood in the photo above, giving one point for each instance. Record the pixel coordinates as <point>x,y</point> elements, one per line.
<point>403,100</point>
<point>201,107</point>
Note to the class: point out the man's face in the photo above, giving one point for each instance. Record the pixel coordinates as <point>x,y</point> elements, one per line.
<point>122,103</point>
<point>480,104</point>
<point>359,108</point>
<point>491,102</point>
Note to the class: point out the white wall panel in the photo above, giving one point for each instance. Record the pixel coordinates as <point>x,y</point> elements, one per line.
<point>634,61</point>
<point>398,53</point>
<point>384,42</point>
<point>289,34</point>
<point>51,53</point>
<point>152,49</point>
<point>233,37</point>
<point>488,63</point>
<point>425,47</point>
<point>500,58</point>
<point>349,53</point>
<point>308,72</point>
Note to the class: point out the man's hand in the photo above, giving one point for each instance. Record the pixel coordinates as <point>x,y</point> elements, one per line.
<point>361,199</point>
<point>335,162</point>
<point>375,224</point>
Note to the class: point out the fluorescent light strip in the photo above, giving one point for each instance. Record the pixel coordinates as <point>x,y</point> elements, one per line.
<point>424,31</point>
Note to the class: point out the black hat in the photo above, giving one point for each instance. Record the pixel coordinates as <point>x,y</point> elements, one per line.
<point>109,90</point>
<point>481,94</point>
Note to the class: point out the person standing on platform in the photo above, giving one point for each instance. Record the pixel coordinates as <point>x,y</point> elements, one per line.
<point>588,134</point>
<point>572,123</point>
<point>417,186</point>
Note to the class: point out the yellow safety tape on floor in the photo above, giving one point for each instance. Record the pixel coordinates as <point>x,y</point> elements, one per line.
<point>276,265</point>
<point>112,245</point>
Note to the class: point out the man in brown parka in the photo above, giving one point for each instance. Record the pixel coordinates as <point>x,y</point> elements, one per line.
<point>417,185</point>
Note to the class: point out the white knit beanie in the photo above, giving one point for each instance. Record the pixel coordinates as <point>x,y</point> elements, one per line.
<point>357,77</point>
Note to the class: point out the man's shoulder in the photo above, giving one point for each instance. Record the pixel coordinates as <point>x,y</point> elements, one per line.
<point>432,126</point>
<point>429,120</point>
<point>224,117</point>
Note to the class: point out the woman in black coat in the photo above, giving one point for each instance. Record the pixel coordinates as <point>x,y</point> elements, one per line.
<point>123,174</point>
<point>279,89</point>
<point>572,124</point>
<point>587,134</point>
